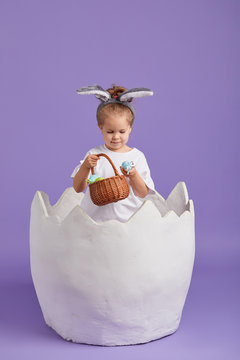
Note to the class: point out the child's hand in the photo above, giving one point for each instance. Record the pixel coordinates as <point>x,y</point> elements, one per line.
<point>132,172</point>
<point>91,161</point>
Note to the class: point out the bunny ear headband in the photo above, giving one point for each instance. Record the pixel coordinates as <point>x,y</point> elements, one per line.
<point>124,98</point>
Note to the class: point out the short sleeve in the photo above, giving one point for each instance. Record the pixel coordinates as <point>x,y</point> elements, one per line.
<point>144,172</point>
<point>79,165</point>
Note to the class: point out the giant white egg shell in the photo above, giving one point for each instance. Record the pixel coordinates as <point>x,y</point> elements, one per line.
<point>112,283</point>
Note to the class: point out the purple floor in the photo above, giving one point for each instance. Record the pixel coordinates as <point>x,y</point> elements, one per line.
<point>208,329</point>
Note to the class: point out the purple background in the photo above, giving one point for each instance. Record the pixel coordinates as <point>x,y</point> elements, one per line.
<point>187,53</point>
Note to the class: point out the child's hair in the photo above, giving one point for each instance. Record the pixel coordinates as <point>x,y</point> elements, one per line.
<point>115,108</point>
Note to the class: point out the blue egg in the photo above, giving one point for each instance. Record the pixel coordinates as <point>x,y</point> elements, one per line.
<point>127,165</point>
<point>92,178</point>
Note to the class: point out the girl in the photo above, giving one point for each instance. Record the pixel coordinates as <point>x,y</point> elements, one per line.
<point>115,119</point>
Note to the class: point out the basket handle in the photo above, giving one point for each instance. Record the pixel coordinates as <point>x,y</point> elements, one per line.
<point>108,158</point>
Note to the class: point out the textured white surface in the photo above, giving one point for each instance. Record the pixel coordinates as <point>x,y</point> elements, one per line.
<point>112,283</point>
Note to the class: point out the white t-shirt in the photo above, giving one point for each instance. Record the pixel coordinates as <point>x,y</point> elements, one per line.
<point>121,210</point>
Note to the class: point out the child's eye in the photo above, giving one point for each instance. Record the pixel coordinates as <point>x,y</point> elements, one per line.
<point>110,132</point>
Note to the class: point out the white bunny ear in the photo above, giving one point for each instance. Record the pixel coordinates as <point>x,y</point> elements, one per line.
<point>96,90</point>
<point>134,93</point>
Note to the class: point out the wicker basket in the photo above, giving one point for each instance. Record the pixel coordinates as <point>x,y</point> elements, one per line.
<point>109,190</point>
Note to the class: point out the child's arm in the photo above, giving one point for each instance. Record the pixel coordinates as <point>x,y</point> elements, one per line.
<point>139,187</point>
<point>79,181</point>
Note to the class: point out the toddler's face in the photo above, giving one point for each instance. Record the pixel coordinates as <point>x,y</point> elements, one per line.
<point>116,130</point>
